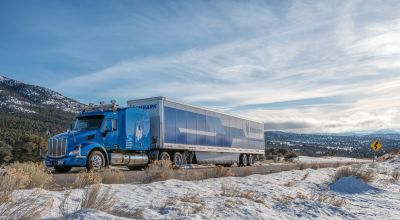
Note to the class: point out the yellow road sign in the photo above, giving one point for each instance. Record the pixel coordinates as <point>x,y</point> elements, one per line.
<point>376,145</point>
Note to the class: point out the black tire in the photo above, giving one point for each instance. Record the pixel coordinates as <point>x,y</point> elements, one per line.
<point>243,160</point>
<point>164,156</point>
<point>250,160</point>
<point>96,161</point>
<point>177,159</point>
<point>136,167</point>
<point>59,169</point>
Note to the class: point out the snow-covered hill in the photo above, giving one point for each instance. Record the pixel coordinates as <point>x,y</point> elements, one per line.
<point>16,96</point>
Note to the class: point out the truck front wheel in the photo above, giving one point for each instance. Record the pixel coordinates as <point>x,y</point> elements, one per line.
<point>62,169</point>
<point>96,161</point>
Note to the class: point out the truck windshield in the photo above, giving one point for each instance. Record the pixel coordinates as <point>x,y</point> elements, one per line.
<point>88,123</point>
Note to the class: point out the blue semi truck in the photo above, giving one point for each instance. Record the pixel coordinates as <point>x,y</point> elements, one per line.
<point>154,129</point>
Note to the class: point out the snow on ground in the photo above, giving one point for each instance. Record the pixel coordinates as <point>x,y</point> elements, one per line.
<point>305,159</point>
<point>297,194</point>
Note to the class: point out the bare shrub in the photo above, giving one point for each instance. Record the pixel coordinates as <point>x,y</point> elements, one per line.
<point>315,166</point>
<point>301,195</point>
<point>25,176</point>
<point>303,166</point>
<point>291,156</point>
<point>95,198</point>
<point>159,170</point>
<point>289,183</point>
<point>231,190</point>
<point>193,174</point>
<point>322,198</point>
<point>138,214</point>
<point>285,199</point>
<point>28,207</point>
<point>191,197</point>
<point>233,203</point>
<point>245,171</point>
<point>330,199</point>
<point>221,171</point>
<point>395,176</point>
<point>87,178</point>
<point>305,176</point>
<point>366,175</point>
<point>127,212</point>
<point>112,176</point>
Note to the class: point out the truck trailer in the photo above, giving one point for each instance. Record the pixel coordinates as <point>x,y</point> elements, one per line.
<point>155,129</point>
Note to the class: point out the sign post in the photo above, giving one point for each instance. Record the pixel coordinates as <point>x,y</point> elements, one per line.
<point>376,145</point>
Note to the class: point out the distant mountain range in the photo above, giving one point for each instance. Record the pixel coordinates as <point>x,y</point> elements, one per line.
<point>345,144</point>
<point>16,96</point>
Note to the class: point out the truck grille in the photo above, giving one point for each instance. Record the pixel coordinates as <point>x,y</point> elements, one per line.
<point>57,147</point>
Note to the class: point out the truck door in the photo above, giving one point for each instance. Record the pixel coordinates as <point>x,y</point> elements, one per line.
<point>110,133</point>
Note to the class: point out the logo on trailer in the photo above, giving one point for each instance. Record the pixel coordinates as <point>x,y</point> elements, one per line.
<point>138,132</point>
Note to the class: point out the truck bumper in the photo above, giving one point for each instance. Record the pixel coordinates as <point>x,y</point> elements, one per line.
<point>66,161</point>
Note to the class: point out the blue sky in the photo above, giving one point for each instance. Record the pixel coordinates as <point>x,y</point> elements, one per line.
<point>306,66</point>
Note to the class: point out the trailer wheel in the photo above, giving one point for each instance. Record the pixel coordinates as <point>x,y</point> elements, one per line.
<point>243,160</point>
<point>59,169</point>
<point>177,159</point>
<point>250,160</point>
<point>164,156</point>
<point>96,161</point>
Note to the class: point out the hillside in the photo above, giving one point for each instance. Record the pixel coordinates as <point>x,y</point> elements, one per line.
<point>331,144</point>
<point>26,113</point>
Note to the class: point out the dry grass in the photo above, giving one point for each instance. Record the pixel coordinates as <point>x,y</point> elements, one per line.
<point>301,195</point>
<point>330,199</point>
<point>366,175</point>
<point>112,176</point>
<point>25,208</point>
<point>233,203</point>
<point>290,183</point>
<point>191,197</point>
<point>159,170</point>
<point>305,176</point>
<point>395,176</point>
<point>25,176</point>
<point>221,171</point>
<point>94,197</point>
<point>285,199</point>
<point>231,190</point>
<point>303,166</point>
<point>315,166</point>
<point>87,178</point>
<point>321,198</point>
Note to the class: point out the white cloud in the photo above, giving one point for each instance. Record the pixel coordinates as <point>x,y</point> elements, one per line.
<point>306,51</point>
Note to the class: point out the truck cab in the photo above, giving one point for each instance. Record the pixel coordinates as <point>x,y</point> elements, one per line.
<point>102,135</point>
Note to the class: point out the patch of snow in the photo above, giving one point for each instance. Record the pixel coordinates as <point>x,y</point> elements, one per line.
<point>305,159</point>
<point>351,185</point>
<point>21,109</point>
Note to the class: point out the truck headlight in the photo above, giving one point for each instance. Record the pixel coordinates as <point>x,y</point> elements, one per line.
<point>74,152</point>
